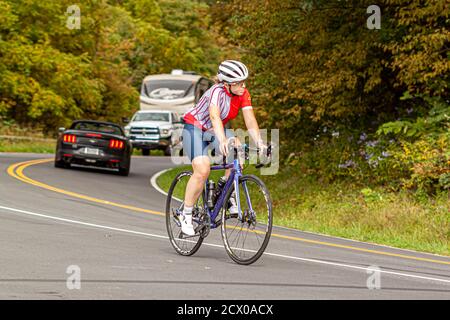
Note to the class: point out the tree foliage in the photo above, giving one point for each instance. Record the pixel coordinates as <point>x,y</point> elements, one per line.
<point>51,74</point>
<point>316,62</point>
<point>316,65</point>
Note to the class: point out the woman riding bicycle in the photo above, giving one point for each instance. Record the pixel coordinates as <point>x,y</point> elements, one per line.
<point>204,124</point>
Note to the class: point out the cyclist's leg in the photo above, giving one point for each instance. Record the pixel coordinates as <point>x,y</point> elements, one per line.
<point>194,188</point>
<point>196,149</point>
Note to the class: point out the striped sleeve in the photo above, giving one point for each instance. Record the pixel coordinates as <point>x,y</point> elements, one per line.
<point>215,96</point>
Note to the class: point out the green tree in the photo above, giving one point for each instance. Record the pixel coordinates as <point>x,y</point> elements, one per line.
<point>51,74</point>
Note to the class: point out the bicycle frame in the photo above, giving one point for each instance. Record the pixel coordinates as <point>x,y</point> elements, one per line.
<point>235,174</point>
<point>246,223</point>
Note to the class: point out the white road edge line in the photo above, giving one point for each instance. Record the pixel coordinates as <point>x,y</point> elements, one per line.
<point>220,246</point>
<point>155,185</point>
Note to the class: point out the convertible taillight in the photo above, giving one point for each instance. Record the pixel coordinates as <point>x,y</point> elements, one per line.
<point>70,138</point>
<point>116,144</point>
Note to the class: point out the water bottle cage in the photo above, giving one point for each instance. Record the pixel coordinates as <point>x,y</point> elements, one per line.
<point>218,189</point>
<point>210,194</point>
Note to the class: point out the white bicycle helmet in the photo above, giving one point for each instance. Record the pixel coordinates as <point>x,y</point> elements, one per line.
<point>232,71</point>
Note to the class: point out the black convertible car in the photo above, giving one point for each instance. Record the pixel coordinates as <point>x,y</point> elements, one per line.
<point>94,143</point>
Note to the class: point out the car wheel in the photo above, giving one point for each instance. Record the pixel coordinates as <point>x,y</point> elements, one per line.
<point>168,151</point>
<point>145,152</point>
<point>61,164</point>
<point>124,171</point>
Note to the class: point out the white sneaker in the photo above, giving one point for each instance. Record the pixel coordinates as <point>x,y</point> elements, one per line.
<point>186,224</point>
<point>234,208</point>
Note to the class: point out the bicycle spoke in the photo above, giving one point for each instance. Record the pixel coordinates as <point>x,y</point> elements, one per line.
<point>243,243</point>
<point>234,228</point>
<point>257,238</point>
<point>239,236</point>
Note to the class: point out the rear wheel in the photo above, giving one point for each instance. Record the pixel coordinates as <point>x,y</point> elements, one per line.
<point>246,236</point>
<point>61,164</point>
<point>124,171</point>
<point>168,151</point>
<point>184,245</point>
<point>145,152</point>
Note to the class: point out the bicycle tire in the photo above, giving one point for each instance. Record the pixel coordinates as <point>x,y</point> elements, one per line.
<point>226,237</point>
<point>170,220</point>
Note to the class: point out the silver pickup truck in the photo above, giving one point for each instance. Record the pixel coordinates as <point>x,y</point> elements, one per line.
<point>155,130</point>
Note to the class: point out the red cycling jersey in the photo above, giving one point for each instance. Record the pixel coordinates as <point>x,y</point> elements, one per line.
<point>228,104</point>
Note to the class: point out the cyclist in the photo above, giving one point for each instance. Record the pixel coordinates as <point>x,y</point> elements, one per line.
<point>204,124</point>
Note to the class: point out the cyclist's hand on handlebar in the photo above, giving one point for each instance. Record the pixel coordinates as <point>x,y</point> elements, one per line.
<point>234,142</point>
<point>263,149</point>
<point>226,144</point>
<point>223,147</point>
<point>240,153</point>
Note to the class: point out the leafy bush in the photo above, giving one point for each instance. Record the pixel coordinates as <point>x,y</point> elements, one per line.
<point>421,149</point>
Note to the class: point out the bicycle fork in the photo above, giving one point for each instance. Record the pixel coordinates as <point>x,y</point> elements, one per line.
<point>246,193</point>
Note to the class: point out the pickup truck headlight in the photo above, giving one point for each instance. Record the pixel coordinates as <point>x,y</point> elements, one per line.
<point>165,132</point>
<point>127,131</point>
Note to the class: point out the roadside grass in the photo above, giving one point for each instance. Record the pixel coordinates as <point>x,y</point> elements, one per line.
<point>348,210</point>
<point>15,138</point>
<point>23,145</point>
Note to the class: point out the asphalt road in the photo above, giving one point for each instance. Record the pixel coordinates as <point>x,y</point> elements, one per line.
<point>56,222</point>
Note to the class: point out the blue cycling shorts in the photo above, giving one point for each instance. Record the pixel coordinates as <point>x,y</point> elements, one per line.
<point>197,142</point>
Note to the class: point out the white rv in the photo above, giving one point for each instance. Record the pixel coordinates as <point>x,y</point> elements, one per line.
<point>176,92</point>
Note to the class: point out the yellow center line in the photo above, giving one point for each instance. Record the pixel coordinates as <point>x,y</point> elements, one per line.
<point>16,171</point>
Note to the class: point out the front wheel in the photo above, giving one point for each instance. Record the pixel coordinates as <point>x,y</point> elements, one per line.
<point>247,234</point>
<point>184,245</point>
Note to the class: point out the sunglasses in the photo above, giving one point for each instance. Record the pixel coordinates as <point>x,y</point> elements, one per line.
<point>238,84</point>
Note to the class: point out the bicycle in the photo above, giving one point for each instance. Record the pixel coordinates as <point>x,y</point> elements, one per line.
<point>211,211</point>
